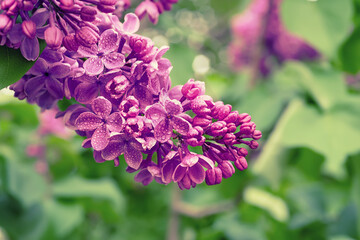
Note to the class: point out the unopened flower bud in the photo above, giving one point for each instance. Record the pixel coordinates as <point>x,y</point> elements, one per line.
<point>27,5</point>
<point>88,13</point>
<point>86,36</point>
<point>195,136</point>
<point>192,89</point>
<point>29,28</point>
<point>66,3</point>
<point>53,37</point>
<point>5,23</point>
<point>6,4</point>
<point>213,176</point>
<point>241,163</point>
<point>227,169</point>
<point>108,2</point>
<point>229,138</point>
<point>218,129</point>
<point>202,105</point>
<point>106,8</point>
<point>70,43</point>
<point>257,135</point>
<point>202,121</point>
<point>244,118</point>
<point>233,117</point>
<point>254,144</point>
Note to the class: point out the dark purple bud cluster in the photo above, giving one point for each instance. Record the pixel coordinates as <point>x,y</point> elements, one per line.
<point>260,27</point>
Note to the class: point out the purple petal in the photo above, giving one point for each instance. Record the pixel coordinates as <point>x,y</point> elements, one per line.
<point>109,41</point>
<point>93,66</point>
<point>34,85</point>
<point>30,48</point>
<point>113,150</point>
<point>167,171</point>
<point>101,107</point>
<point>173,107</point>
<point>131,23</point>
<point>197,173</point>
<point>100,138</point>
<point>180,125</point>
<point>91,51</point>
<point>98,158</point>
<point>132,156</point>
<point>86,143</point>
<point>54,87</point>
<point>156,113</point>
<point>60,70</point>
<point>143,176</point>
<point>40,17</point>
<point>143,95</point>
<point>163,131</point>
<point>86,78</point>
<point>115,122</point>
<point>88,121</point>
<point>206,162</point>
<point>185,182</point>
<point>113,60</point>
<point>16,35</point>
<point>51,56</point>
<point>86,92</point>
<point>39,68</point>
<point>189,160</point>
<point>179,173</point>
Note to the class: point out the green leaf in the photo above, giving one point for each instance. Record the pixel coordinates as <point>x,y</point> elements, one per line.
<point>334,134</point>
<point>234,229</point>
<point>349,53</point>
<point>323,23</point>
<point>100,189</point>
<point>12,66</point>
<point>64,217</point>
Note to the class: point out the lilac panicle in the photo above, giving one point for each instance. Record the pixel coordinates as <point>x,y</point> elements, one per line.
<point>260,27</point>
<point>127,106</point>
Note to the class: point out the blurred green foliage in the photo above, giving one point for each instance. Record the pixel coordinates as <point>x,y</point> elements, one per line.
<point>303,183</point>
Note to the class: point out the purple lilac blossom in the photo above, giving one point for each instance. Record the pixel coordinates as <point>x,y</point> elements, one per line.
<point>130,109</point>
<point>259,28</point>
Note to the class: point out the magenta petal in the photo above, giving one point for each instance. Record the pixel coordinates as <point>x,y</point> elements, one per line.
<point>167,171</point>
<point>55,87</point>
<point>39,68</point>
<point>206,162</point>
<point>86,143</point>
<point>163,131</point>
<point>88,121</point>
<point>86,92</point>
<point>131,23</point>
<point>197,173</point>
<point>98,158</point>
<point>113,150</point>
<point>180,125</point>
<point>189,160</point>
<point>60,70</point>
<point>93,66</point>
<point>30,48</point>
<point>109,41</point>
<point>132,156</point>
<point>173,107</point>
<point>113,60</point>
<point>156,113</point>
<point>185,182</point>
<point>101,107</point>
<point>100,138</point>
<point>179,173</point>
<point>115,122</point>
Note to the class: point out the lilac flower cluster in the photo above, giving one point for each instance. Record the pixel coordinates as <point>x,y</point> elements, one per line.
<point>68,23</point>
<point>127,106</point>
<point>260,37</point>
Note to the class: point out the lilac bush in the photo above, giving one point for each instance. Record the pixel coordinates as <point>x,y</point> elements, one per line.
<point>122,83</point>
<point>260,37</point>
